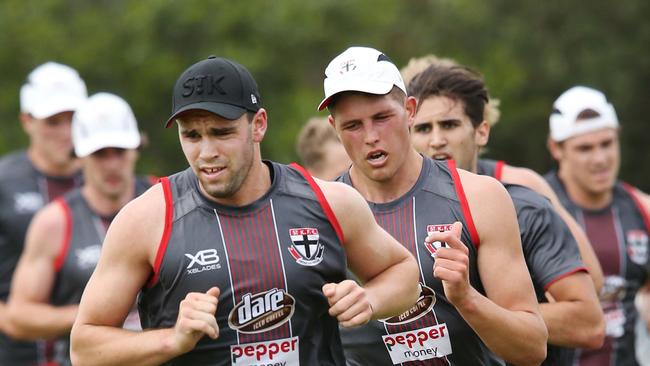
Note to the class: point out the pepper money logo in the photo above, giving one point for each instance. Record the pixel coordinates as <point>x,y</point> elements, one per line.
<point>263,311</point>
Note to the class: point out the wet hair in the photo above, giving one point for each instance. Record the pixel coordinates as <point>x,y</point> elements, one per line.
<point>456,82</point>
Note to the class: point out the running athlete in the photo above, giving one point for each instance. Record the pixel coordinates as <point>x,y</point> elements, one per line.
<point>584,142</point>
<point>466,314</point>
<point>249,252</point>
<point>31,178</point>
<point>320,150</point>
<point>510,174</point>
<point>64,238</point>
<point>450,123</point>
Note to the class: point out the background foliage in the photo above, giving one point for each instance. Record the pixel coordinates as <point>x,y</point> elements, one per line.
<point>529,51</point>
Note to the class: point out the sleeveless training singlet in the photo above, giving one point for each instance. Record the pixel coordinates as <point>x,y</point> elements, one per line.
<point>270,260</point>
<point>432,332</point>
<point>619,236</point>
<point>23,191</point>
<point>84,235</point>
<point>550,250</point>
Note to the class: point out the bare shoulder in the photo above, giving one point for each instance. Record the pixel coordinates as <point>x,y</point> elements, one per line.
<point>491,207</point>
<point>349,207</point>
<point>47,229</point>
<point>528,178</point>
<point>481,188</point>
<point>341,196</point>
<point>139,224</point>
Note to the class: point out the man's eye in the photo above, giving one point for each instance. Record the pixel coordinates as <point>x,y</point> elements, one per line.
<point>423,128</point>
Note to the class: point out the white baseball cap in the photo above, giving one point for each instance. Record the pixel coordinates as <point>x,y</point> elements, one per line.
<point>104,120</point>
<point>52,88</point>
<point>564,122</point>
<point>360,69</point>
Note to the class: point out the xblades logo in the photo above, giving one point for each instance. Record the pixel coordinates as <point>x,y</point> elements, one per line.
<point>208,259</point>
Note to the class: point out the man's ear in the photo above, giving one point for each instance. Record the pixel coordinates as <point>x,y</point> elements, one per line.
<point>411,106</point>
<point>554,148</point>
<point>26,121</point>
<point>482,134</point>
<point>259,125</point>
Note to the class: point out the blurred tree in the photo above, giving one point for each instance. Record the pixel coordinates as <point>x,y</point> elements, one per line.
<point>529,52</point>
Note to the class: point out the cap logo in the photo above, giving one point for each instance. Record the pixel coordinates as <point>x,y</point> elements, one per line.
<point>253,99</point>
<point>347,66</point>
<point>203,84</point>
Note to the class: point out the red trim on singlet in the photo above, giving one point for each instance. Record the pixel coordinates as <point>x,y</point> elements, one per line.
<point>565,275</point>
<point>498,169</point>
<point>169,215</point>
<point>464,206</point>
<point>323,201</point>
<point>637,201</point>
<point>67,234</point>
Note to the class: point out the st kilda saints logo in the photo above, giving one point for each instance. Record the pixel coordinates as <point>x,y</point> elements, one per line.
<point>432,248</point>
<point>637,246</point>
<point>263,311</point>
<point>306,249</point>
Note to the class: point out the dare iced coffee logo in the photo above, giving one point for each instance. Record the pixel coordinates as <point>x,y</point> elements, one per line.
<point>262,311</point>
<point>425,302</point>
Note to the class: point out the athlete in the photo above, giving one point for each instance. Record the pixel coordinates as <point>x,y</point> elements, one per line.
<point>249,252</point>
<point>584,141</point>
<point>320,150</point>
<point>450,123</point>
<point>466,314</point>
<point>510,174</point>
<point>64,238</point>
<point>31,178</point>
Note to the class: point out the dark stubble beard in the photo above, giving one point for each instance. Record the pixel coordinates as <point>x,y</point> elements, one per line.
<point>239,176</point>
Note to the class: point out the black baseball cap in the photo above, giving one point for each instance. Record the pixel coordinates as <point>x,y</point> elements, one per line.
<point>216,85</point>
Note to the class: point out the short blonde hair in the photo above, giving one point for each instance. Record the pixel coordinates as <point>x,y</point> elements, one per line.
<point>311,139</point>
<point>416,65</point>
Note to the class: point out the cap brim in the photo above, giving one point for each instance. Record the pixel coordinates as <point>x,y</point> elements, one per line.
<point>119,141</point>
<point>227,111</point>
<point>56,106</point>
<point>370,87</point>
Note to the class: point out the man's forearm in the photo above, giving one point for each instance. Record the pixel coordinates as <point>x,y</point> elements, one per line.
<point>519,337</point>
<point>573,324</point>
<point>394,290</point>
<point>104,345</point>
<point>31,321</point>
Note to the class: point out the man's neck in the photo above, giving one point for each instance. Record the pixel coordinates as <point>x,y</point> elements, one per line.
<point>390,189</point>
<point>105,205</point>
<point>585,199</point>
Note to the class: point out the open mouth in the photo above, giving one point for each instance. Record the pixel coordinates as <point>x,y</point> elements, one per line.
<point>441,156</point>
<point>376,156</point>
<point>211,171</point>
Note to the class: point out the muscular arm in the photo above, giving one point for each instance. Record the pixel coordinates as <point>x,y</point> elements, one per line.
<point>574,318</point>
<point>124,267</point>
<point>389,272</point>
<point>30,316</point>
<point>534,181</point>
<point>508,319</point>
